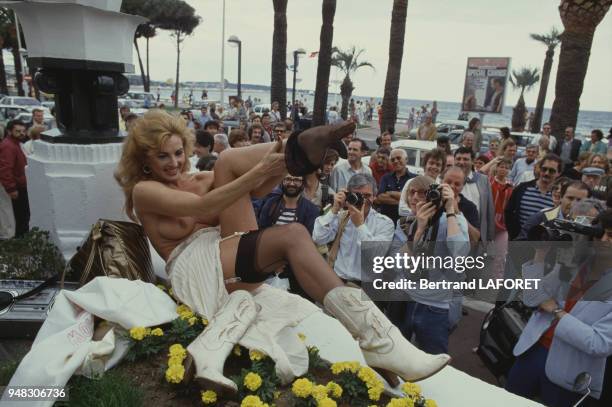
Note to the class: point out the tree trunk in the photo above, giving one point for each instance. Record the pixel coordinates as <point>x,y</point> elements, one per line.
<point>324,63</point>
<point>539,110</point>
<point>580,19</point>
<point>147,86</point>
<point>142,71</point>
<point>346,90</point>
<point>394,67</point>
<point>18,72</point>
<point>278,86</point>
<point>518,114</point>
<point>178,65</point>
<point>3,85</point>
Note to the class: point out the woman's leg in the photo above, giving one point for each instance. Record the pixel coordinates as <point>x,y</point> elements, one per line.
<point>273,248</point>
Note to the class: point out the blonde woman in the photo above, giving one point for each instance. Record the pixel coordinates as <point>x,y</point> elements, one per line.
<point>204,226</point>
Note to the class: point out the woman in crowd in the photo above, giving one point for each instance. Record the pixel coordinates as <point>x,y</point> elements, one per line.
<point>475,127</point>
<point>480,161</point>
<point>507,150</point>
<point>434,163</point>
<point>501,188</point>
<point>204,226</point>
<point>316,190</point>
<point>493,148</point>
<point>570,331</point>
<point>544,146</point>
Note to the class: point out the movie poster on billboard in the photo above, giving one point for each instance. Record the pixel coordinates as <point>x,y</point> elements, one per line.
<point>485,85</point>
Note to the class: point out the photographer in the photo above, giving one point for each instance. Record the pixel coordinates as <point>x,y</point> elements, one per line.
<point>437,220</point>
<point>570,331</point>
<point>351,221</point>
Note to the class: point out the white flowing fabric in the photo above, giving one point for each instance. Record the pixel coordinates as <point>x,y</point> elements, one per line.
<point>195,271</point>
<point>64,343</point>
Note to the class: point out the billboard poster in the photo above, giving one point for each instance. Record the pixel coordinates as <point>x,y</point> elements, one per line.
<point>485,85</point>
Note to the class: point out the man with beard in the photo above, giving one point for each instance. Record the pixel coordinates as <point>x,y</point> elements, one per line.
<point>288,205</point>
<point>524,164</point>
<point>533,196</point>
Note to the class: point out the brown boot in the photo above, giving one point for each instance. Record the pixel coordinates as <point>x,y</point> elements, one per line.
<point>305,151</point>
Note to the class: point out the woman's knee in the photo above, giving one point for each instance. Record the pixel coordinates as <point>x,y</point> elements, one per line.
<point>297,232</point>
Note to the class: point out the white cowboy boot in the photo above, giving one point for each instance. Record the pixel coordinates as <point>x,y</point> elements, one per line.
<point>383,346</point>
<point>210,349</point>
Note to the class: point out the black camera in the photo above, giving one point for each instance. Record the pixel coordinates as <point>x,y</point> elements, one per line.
<point>434,195</point>
<point>560,230</point>
<point>355,198</point>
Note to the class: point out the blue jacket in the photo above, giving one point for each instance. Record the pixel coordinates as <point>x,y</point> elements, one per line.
<point>306,211</point>
<point>583,338</point>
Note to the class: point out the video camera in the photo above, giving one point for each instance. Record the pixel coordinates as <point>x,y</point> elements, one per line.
<point>560,230</point>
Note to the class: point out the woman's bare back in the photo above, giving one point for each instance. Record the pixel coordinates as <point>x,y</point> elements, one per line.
<point>167,232</point>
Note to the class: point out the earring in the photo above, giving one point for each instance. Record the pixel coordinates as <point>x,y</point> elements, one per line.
<point>146,170</point>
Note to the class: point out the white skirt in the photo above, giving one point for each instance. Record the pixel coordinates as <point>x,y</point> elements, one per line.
<point>197,280</point>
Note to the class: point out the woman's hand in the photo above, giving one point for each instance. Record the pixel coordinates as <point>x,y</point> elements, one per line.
<point>273,163</point>
<point>425,211</point>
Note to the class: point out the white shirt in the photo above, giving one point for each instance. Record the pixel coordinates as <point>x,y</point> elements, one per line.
<point>470,191</point>
<point>377,227</point>
<point>343,172</point>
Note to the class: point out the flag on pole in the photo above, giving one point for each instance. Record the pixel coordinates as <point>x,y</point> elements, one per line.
<point>314,54</point>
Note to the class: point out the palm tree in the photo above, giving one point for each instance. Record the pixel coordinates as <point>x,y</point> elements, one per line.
<point>580,19</point>
<point>348,62</point>
<point>5,23</point>
<point>324,64</point>
<point>394,68</point>
<point>551,40</point>
<point>278,85</point>
<point>525,79</point>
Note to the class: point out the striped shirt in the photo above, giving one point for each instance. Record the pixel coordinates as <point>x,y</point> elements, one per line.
<point>532,202</point>
<point>286,216</point>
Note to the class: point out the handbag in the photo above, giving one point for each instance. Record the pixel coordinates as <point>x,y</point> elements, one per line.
<point>113,249</point>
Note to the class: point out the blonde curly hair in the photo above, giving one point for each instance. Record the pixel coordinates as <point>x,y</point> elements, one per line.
<point>148,133</point>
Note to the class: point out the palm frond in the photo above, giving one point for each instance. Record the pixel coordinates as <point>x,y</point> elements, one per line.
<point>550,39</point>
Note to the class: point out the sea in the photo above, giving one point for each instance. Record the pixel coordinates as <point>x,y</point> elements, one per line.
<point>587,119</point>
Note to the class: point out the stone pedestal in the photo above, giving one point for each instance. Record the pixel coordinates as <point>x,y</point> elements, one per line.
<point>70,187</point>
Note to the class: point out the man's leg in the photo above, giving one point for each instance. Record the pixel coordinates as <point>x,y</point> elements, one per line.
<point>524,376</point>
<point>21,211</point>
<point>432,329</point>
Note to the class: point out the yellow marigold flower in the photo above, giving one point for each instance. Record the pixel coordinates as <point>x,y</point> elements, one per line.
<point>252,401</point>
<point>182,309</point>
<point>374,393</point>
<point>174,373</point>
<point>252,381</point>
<point>431,403</point>
<point>175,360</point>
<point>302,388</point>
<point>161,287</point>
<point>204,321</point>
<point>398,403</point>
<point>326,402</point>
<point>319,392</point>
<point>302,336</point>
<point>138,333</point>
<point>334,390</point>
<point>192,321</point>
<point>157,332</point>
<point>277,394</point>
<point>256,355</point>
<point>340,367</point>
<point>209,397</point>
<point>177,350</point>
<point>237,351</point>
<point>411,389</point>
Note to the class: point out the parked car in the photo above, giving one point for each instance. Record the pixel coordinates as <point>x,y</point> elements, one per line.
<point>26,117</point>
<point>444,128</point>
<point>49,104</point>
<point>487,134</point>
<point>260,109</point>
<point>142,99</point>
<point>24,101</point>
<point>415,149</point>
<point>8,112</point>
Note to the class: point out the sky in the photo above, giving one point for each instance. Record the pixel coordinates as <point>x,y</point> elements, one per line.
<point>440,35</point>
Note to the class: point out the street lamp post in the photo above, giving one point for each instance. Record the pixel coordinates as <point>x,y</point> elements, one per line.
<point>235,40</point>
<point>296,55</point>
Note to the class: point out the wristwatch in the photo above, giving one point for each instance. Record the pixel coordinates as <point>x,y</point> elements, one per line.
<point>556,312</point>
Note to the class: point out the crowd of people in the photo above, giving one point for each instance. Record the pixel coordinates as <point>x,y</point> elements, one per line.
<point>486,201</point>
<point>489,200</point>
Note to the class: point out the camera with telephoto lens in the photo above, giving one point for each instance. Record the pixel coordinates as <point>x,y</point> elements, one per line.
<point>434,195</point>
<point>355,198</point>
<point>560,230</point>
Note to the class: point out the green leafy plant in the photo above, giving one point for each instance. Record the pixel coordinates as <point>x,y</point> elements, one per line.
<point>113,389</point>
<point>30,257</point>
<point>260,380</point>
